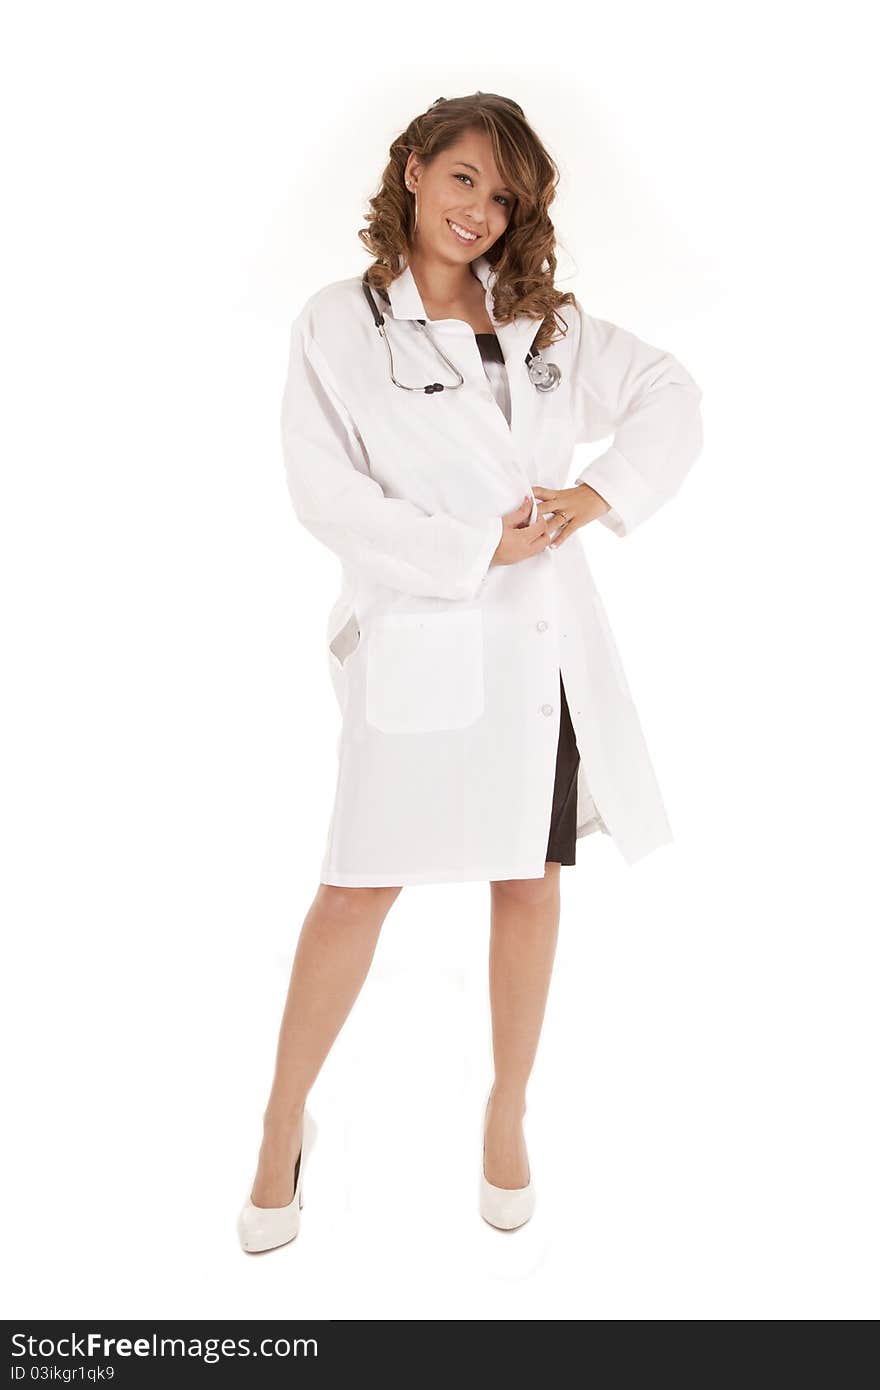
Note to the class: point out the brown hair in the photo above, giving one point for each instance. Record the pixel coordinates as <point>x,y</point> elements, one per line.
<point>524,256</point>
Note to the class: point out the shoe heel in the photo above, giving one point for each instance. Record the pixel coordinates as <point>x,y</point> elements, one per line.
<point>506,1208</point>
<point>263,1228</point>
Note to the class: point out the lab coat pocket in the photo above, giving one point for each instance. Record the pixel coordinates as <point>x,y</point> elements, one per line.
<point>424,671</point>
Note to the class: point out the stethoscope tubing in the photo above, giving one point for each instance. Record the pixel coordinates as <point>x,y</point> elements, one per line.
<point>544,376</point>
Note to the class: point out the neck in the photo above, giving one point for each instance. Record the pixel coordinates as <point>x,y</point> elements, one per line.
<point>438,282</point>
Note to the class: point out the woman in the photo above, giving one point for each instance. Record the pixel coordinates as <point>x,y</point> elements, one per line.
<point>486,720</point>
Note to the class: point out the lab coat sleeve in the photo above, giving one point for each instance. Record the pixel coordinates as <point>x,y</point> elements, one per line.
<point>650,404</point>
<point>389,540</point>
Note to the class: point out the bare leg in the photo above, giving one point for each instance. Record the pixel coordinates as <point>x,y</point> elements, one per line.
<point>522,948</point>
<point>333,955</point>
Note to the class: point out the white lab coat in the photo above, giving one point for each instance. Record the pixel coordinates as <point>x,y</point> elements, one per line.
<point>446,669</point>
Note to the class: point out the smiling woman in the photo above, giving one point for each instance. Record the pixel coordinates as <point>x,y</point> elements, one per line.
<point>487,725</point>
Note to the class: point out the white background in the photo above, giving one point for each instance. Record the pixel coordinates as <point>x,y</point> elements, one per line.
<point>702,1120</point>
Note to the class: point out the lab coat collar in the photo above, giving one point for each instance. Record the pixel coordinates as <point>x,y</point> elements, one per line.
<point>403,292</point>
<point>406,302</point>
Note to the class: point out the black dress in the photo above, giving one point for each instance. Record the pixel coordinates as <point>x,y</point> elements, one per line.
<point>562,839</point>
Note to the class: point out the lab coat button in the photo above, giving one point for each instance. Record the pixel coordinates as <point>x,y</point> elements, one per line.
<point>546,709</point>
<point>541,625</point>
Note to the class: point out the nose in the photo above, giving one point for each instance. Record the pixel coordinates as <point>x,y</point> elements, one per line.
<point>478,215</point>
<point>477,224</point>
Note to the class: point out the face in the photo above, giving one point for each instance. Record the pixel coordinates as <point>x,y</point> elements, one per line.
<point>461,186</point>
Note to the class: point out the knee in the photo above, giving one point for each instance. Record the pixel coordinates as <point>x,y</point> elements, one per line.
<point>527,892</point>
<point>353,905</point>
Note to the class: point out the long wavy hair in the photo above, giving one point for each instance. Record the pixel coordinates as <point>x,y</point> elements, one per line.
<point>524,256</point>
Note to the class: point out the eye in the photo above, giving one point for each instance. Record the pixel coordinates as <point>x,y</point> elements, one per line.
<point>505,201</point>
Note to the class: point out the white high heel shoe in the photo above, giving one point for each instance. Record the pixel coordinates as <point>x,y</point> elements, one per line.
<point>504,1207</point>
<point>262,1228</point>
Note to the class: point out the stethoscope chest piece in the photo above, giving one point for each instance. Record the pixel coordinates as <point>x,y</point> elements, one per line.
<point>544,376</point>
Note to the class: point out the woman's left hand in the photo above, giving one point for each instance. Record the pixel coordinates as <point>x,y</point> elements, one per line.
<point>572,506</point>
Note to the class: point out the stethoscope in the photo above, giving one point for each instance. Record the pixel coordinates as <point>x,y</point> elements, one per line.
<point>544,376</point>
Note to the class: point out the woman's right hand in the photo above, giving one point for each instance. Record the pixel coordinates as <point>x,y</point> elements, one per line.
<point>518,539</point>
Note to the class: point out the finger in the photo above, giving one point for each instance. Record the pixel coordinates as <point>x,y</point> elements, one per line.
<point>564,531</point>
<point>542,543</point>
<point>523,509</point>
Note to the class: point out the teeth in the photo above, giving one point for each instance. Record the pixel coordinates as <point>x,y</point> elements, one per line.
<point>462,231</point>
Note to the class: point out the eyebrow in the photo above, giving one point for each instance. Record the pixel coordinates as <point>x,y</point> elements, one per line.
<point>465,165</point>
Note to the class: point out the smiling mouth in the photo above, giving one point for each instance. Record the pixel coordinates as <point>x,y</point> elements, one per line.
<point>461,233</point>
